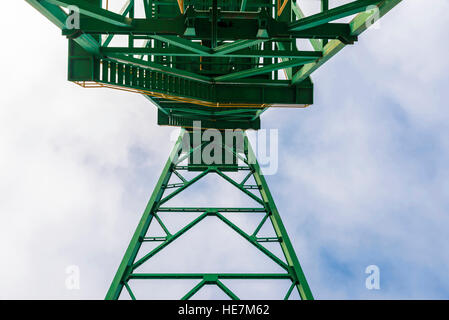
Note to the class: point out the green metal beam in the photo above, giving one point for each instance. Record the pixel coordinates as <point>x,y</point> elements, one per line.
<point>332,14</point>
<point>316,44</point>
<point>148,77</point>
<point>147,8</point>
<point>288,71</point>
<point>253,242</point>
<point>194,290</point>
<point>358,25</point>
<point>209,209</point>
<point>158,67</point>
<point>223,276</point>
<point>245,53</point>
<point>128,269</point>
<point>169,240</point>
<point>176,26</point>
<point>155,103</point>
<point>94,11</point>
<point>243,5</point>
<point>236,45</point>
<point>135,244</point>
<point>183,43</point>
<point>226,290</point>
<point>131,294</point>
<point>52,12</point>
<point>58,17</point>
<point>287,247</point>
<point>123,12</point>
<point>324,8</point>
<point>272,67</point>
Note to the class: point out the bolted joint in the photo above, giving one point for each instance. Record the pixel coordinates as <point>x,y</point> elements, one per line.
<point>212,213</point>
<point>210,278</point>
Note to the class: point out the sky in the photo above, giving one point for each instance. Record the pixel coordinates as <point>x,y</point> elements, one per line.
<point>363,175</point>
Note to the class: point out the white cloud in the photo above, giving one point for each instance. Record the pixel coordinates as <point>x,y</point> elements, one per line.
<point>368,162</point>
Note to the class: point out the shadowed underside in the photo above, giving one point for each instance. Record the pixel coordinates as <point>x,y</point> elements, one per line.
<point>222,62</point>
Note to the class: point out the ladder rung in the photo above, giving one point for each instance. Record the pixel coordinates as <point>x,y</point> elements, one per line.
<point>174,209</point>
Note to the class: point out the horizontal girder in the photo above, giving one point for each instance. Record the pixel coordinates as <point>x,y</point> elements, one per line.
<point>332,14</point>
<point>230,29</point>
<point>207,54</point>
<point>242,53</point>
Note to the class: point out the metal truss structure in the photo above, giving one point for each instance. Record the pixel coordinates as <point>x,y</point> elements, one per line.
<point>221,62</point>
<point>165,191</point>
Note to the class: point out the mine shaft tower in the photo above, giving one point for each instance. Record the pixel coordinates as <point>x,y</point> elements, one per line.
<point>218,62</point>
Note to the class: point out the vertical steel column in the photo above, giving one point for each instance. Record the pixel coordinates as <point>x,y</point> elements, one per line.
<point>286,245</point>
<point>324,8</point>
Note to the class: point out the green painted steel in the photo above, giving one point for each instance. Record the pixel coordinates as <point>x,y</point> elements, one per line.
<point>203,54</point>
<point>164,191</point>
<point>358,25</point>
<point>221,62</point>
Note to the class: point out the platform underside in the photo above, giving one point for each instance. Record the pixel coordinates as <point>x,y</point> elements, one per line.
<point>222,62</point>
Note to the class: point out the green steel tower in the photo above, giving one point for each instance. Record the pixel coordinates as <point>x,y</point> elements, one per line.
<point>211,64</point>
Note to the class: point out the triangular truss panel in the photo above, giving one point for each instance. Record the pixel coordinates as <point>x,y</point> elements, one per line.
<point>265,209</point>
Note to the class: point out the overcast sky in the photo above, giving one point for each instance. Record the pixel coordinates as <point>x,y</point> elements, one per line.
<point>363,174</point>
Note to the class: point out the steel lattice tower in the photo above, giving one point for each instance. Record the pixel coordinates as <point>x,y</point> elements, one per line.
<point>216,62</point>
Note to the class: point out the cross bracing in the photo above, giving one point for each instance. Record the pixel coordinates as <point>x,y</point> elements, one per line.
<point>210,55</point>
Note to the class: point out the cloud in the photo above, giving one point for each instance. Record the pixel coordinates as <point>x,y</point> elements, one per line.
<point>364,171</point>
